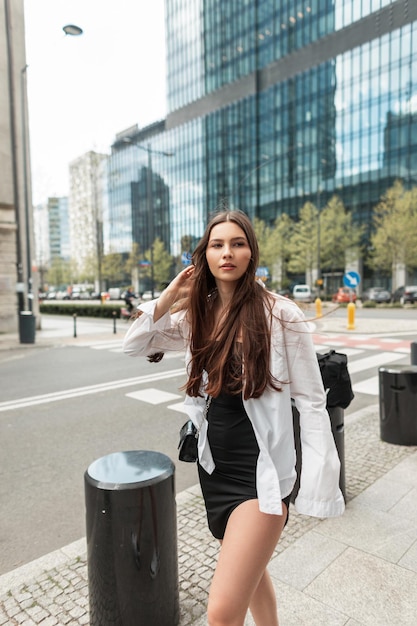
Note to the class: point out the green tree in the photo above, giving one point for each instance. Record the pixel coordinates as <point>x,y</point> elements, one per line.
<point>337,235</point>
<point>163,263</point>
<point>59,273</point>
<point>394,239</point>
<point>88,271</point>
<point>303,243</point>
<point>279,245</point>
<point>132,261</point>
<point>112,268</point>
<point>263,235</point>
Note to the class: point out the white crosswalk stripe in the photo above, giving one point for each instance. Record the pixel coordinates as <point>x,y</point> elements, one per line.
<point>359,361</point>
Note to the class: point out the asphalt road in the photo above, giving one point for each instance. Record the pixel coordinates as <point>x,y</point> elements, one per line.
<point>46,447</point>
<point>76,410</point>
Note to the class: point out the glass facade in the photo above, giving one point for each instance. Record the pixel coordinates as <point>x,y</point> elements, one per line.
<point>271,104</point>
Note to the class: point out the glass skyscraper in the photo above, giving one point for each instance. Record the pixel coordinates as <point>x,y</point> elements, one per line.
<point>270,104</point>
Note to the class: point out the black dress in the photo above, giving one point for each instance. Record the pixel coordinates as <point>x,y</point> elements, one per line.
<point>235,453</point>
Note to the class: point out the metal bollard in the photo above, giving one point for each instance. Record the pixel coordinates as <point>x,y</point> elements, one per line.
<point>114,322</point>
<point>414,353</point>
<point>319,310</point>
<point>74,315</point>
<point>351,316</point>
<point>398,404</point>
<point>132,552</point>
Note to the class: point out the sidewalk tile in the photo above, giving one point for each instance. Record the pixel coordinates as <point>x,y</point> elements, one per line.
<point>302,562</point>
<point>370,590</point>
<point>375,532</point>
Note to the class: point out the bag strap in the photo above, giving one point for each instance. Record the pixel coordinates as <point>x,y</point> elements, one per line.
<point>205,412</point>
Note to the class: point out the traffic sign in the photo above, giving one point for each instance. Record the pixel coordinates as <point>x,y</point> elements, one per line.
<point>186,258</point>
<point>351,279</point>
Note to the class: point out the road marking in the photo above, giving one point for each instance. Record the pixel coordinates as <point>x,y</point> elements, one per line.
<point>369,386</point>
<point>90,389</point>
<point>373,361</point>
<point>347,351</point>
<point>153,396</point>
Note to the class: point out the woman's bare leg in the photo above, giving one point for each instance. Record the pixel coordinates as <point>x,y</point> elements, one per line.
<point>240,579</point>
<point>263,604</point>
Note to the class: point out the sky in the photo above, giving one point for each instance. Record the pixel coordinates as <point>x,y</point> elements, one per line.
<point>83,90</point>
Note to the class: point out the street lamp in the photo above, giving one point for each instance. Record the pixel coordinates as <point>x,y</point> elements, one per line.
<point>149,196</point>
<point>73,30</point>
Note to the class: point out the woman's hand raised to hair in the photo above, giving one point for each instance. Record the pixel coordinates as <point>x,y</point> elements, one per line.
<point>178,288</point>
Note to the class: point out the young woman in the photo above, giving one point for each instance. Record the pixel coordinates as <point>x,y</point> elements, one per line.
<point>248,352</point>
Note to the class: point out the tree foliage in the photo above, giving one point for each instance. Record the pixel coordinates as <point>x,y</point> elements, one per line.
<point>112,267</point>
<point>394,239</point>
<point>132,261</point>
<point>60,272</point>
<point>337,234</point>
<point>162,261</point>
<point>303,243</point>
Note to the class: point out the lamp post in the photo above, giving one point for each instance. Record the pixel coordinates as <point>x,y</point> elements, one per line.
<point>319,281</point>
<point>23,77</point>
<point>149,197</point>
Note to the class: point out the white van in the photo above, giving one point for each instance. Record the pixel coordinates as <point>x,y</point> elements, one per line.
<point>302,293</point>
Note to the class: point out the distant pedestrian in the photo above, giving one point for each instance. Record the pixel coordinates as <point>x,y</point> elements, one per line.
<point>129,299</point>
<point>248,352</point>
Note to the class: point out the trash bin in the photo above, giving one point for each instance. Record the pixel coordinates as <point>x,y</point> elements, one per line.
<point>398,404</point>
<point>336,415</point>
<point>132,552</point>
<point>27,325</point>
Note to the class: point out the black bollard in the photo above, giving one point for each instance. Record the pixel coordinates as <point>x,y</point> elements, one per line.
<point>74,315</point>
<point>414,353</point>
<point>114,322</point>
<point>132,552</point>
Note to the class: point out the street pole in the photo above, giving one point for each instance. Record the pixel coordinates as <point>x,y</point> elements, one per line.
<point>318,242</point>
<point>23,75</point>
<point>149,197</point>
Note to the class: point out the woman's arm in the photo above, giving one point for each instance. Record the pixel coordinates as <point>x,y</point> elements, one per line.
<point>156,329</point>
<point>178,288</point>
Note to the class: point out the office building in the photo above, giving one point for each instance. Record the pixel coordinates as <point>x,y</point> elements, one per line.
<point>58,227</point>
<point>272,104</point>
<point>85,208</point>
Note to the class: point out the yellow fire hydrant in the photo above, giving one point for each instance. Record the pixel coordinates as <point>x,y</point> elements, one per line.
<point>319,310</point>
<point>351,308</point>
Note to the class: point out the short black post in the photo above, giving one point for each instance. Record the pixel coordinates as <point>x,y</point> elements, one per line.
<point>114,322</point>
<point>398,404</point>
<point>132,552</point>
<point>414,353</point>
<point>74,315</point>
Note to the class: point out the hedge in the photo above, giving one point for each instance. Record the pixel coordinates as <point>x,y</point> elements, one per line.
<point>82,309</point>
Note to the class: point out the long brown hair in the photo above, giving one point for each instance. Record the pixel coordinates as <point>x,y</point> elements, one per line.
<point>248,316</point>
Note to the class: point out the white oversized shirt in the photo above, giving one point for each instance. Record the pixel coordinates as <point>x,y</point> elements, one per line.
<point>294,364</point>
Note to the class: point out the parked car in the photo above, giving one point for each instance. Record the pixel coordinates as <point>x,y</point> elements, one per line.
<point>409,295</point>
<point>376,294</point>
<point>302,293</point>
<point>344,294</point>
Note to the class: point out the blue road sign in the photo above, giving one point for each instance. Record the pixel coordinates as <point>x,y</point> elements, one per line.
<point>351,279</point>
<point>186,258</point>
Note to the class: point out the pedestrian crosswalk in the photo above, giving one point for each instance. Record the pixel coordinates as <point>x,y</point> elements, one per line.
<point>115,345</point>
<point>366,354</point>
